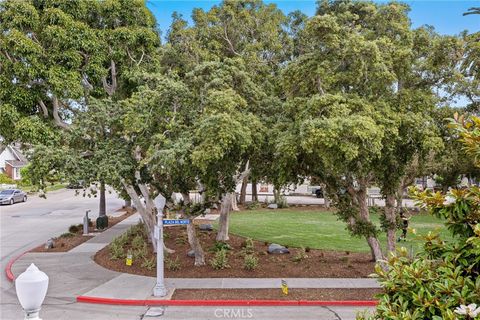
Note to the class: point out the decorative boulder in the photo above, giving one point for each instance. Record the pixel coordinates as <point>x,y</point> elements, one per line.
<point>272,206</point>
<point>191,254</point>
<point>277,249</point>
<point>206,227</point>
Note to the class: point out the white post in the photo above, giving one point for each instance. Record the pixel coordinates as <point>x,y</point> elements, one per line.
<point>160,290</point>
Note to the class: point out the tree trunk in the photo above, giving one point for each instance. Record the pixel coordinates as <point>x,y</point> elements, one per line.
<point>192,236</point>
<point>234,202</point>
<point>276,194</point>
<point>254,191</point>
<point>391,218</point>
<point>128,203</point>
<point>195,244</point>
<point>102,210</point>
<point>243,191</point>
<point>364,214</point>
<point>225,209</point>
<point>145,210</point>
<point>326,199</point>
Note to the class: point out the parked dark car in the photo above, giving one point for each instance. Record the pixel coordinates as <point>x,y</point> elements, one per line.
<point>318,192</point>
<point>11,196</point>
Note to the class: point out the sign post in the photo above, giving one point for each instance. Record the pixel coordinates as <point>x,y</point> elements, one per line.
<point>159,290</point>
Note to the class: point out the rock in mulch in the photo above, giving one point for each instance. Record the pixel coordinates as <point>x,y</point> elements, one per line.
<point>272,206</point>
<point>206,227</point>
<point>191,254</point>
<point>277,249</point>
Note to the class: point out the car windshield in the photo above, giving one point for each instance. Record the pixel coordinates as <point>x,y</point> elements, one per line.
<point>5,192</point>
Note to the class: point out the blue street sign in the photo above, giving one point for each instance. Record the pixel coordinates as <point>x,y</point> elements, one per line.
<point>175,221</point>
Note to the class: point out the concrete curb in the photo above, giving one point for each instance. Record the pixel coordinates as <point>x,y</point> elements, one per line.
<point>8,268</point>
<point>265,303</point>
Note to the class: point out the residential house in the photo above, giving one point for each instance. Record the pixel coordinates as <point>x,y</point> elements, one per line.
<point>12,160</point>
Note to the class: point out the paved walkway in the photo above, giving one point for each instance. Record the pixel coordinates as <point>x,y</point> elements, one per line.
<point>75,273</point>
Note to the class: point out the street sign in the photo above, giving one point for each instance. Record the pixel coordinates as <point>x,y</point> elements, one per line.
<point>169,222</point>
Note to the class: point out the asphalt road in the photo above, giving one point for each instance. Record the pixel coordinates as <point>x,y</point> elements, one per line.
<point>24,226</point>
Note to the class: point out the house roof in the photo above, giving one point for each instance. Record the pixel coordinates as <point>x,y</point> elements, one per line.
<point>16,163</point>
<point>18,154</point>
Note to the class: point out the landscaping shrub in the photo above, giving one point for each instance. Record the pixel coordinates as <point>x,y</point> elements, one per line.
<point>248,246</point>
<point>282,202</point>
<point>73,229</point>
<point>149,264</point>
<point>142,252</point>
<point>4,179</point>
<point>138,242</point>
<point>219,246</point>
<point>220,260</point>
<point>180,240</point>
<point>172,264</point>
<point>253,205</point>
<point>444,275</point>
<point>67,235</point>
<point>250,262</point>
<point>116,251</point>
<point>300,255</point>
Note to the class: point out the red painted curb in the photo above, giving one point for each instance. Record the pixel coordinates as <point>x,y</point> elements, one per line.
<point>265,303</point>
<point>8,268</point>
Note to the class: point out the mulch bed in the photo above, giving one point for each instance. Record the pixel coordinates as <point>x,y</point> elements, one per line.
<point>276,294</point>
<point>318,264</point>
<point>64,244</point>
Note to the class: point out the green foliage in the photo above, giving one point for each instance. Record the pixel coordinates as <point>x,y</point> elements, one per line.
<point>149,264</point>
<point>116,251</point>
<point>67,235</point>
<point>172,264</point>
<point>220,246</point>
<point>253,205</point>
<point>248,246</point>
<point>6,179</point>
<point>444,275</point>
<point>300,255</point>
<point>73,228</point>
<point>140,252</point>
<point>250,262</point>
<point>220,260</point>
<point>138,242</point>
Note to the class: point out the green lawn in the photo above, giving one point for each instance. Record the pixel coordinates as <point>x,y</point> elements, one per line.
<point>317,229</point>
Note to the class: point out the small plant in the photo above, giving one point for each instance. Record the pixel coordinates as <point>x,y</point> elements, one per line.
<point>307,249</point>
<point>138,242</point>
<point>67,235</point>
<point>219,246</point>
<point>248,246</point>
<point>250,262</point>
<point>172,264</point>
<point>116,251</point>
<point>180,240</point>
<point>253,205</point>
<point>73,229</point>
<point>300,256</point>
<point>220,260</point>
<point>142,252</point>
<point>282,202</point>
<point>344,259</point>
<point>149,264</point>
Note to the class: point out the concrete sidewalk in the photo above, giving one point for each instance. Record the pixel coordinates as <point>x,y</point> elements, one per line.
<point>74,273</point>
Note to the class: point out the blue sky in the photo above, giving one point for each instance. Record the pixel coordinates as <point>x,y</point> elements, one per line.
<point>445,16</point>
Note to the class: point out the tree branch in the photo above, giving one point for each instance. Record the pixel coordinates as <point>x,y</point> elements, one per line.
<point>56,117</point>
<point>230,42</point>
<point>43,107</point>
